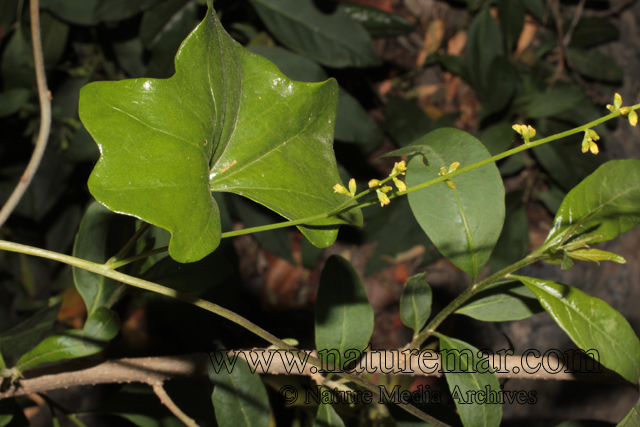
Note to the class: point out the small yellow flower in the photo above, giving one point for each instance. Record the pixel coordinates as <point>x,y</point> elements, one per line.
<point>383,198</point>
<point>454,166</point>
<point>386,189</point>
<point>617,103</point>
<point>399,168</point>
<point>401,185</point>
<point>527,131</point>
<point>443,171</point>
<point>352,186</point>
<point>340,189</point>
<point>374,183</point>
<point>451,184</point>
<point>633,117</point>
<point>588,143</point>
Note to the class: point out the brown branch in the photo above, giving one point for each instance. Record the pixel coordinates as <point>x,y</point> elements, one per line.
<point>45,117</point>
<point>157,370</point>
<point>166,401</point>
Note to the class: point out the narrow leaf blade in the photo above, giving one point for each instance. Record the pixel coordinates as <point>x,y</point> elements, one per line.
<point>415,302</point>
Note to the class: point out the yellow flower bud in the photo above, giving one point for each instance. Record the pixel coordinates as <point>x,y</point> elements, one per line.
<point>451,184</point>
<point>617,101</point>
<point>386,189</point>
<point>340,189</point>
<point>374,183</point>
<point>383,198</point>
<point>443,171</point>
<point>454,166</point>
<point>401,185</point>
<point>633,118</point>
<point>352,186</point>
<point>399,168</point>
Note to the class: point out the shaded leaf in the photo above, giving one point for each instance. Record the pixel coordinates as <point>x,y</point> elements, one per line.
<point>344,317</point>
<point>464,371</point>
<point>502,302</point>
<point>157,20</point>
<point>535,8</point>
<point>54,39</point>
<point>239,398</point>
<point>23,337</point>
<point>452,63</point>
<point>558,100</point>
<point>498,137</point>
<point>596,65</point>
<point>513,243</point>
<point>181,153</point>
<point>13,100</point>
<point>501,86</point>
<point>378,23</point>
<point>130,57</point>
<point>591,324</point>
<point>592,30</point>
<point>327,417</point>
<point>101,327</point>
<point>552,199</point>
<point>483,46</point>
<point>72,11</point>
<point>332,39</point>
<point>17,62</point>
<point>464,223</point>
<point>101,235</point>
<point>415,302</point>
<point>118,10</point>
<point>605,204</point>
<point>511,14</point>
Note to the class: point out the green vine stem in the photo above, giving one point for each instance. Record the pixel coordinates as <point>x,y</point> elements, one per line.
<point>209,306</point>
<point>348,206</point>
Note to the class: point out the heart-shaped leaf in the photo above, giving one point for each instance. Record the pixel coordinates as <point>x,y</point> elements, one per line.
<point>592,324</point>
<point>227,120</point>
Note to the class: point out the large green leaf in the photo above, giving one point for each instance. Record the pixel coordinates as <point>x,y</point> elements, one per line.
<point>467,373</point>
<point>502,302</point>
<point>511,13</point>
<point>464,223</point>
<point>227,120</point>
<point>415,302</point>
<point>485,44</point>
<point>603,206</point>
<point>591,324</point>
<point>102,233</point>
<point>101,327</point>
<point>327,417</point>
<point>332,39</point>
<point>23,337</point>
<point>239,398</point>
<point>344,317</point>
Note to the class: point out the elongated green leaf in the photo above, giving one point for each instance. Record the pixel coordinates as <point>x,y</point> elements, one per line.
<point>239,398</point>
<point>102,326</point>
<point>156,20</point>
<point>23,337</point>
<point>331,39</point>
<point>102,233</point>
<point>468,372</point>
<point>415,302</point>
<point>511,13</point>
<point>464,223</point>
<point>591,324</point>
<point>502,302</point>
<point>604,205</point>
<point>484,45</point>
<point>344,317</point>
<point>378,23</point>
<point>327,417</point>
<point>596,65</point>
<point>592,30</point>
<point>500,87</point>
<point>633,417</point>
<point>232,123</point>
<point>13,100</point>
<point>72,11</point>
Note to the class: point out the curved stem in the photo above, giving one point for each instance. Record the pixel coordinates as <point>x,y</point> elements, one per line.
<point>45,118</point>
<point>209,306</point>
<point>464,297</point>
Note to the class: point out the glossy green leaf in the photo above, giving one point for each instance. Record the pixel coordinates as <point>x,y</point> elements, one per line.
<point>513,244</point>
<point>593,30</point>
<point>396,231</point>
<point>502,302</point>
<point>24,336</point>
<point>331,39</point>
<point>72,11</point>
<point>604,205</point>
<point>511,14</point>
<point>239,398</point>
<point>13,100</point>
<point>591,324</point>
<point>327,417</point>
<point>219,127</point>
<point>483,46</point>
<point>558,100</point>
<point>353,124</point>
<point>101,235</point>
<point>415,302</point>
<point>470,374</point>
<point>275,241</point>
<point>464,223</point>
<point>596,65</point>
<point>101,327</point>
<point>633,417</point>
<point>378,23</point>
<point>502,81</point>
<point>344,317</point>
<point>498,137</point>
<point>157,20</point>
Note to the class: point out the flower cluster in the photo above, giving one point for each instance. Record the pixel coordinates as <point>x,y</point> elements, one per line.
<point>443,171</point>
<point>399,168</point>
<point>526,131</point>
<point>588,143</point>
<point>627,112</point>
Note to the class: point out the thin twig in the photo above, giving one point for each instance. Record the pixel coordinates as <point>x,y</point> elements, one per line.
<point>166,401</point>
<point>574,22</point>
<point>562,50</point>
<point>45,118</point>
